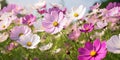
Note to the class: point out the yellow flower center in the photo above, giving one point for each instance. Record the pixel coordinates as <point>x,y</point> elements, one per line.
<point>3,26</point>
<point>29,43</point>
<point>93,53</point>
<point>20,34</point>
<point>76,14</point>
<point>55,24</point>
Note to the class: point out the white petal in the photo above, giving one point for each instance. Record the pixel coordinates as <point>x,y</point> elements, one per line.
<point>34,38</point>
<point>3,36</point>
<point>113,44</point>
<point>46,47</point>
<point>57,50</point>
<point>38,26</point>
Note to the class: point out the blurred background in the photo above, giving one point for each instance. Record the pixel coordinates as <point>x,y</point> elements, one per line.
<point>66,3</point>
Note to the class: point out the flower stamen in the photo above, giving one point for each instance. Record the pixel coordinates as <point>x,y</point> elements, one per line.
<point>55,24</point>
<point>93,53</point>
<point>76,14</point>
<point>29,43</point>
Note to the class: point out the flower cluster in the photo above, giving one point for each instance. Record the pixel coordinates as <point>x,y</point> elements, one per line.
<point>58,30</point>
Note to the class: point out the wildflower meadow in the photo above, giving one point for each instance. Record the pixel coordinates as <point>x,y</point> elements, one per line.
<point>56,33</point>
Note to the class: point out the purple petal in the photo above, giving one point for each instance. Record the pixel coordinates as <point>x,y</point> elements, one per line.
<point>86,26</point>
<point>83,51</point>
<point>89,46</point>
<point>80,57</point>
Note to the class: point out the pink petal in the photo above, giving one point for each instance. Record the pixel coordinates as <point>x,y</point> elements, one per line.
<point>96,44</point>
<point>103,48</point>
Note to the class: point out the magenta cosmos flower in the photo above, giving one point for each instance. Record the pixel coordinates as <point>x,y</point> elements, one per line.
<point>29,19</point>
<point>53,22</point>
<point>95,51</point>
<point>112,5</point>
<point>88,27</point>
<point>18,31</point>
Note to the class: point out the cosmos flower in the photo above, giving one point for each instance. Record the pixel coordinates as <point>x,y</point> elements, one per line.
<point>5,20</point>
<point>112,5</point>
<point>88,27</point>
<point>95,51</point>
<point>101,24</point>
<point>92,19</point>
<point>29,41</point>
<point>78,13</point>
<point>97,5</point>
<point>113,44</point>
<point>18,31</point>
<point>11,8</point>
<point>58,9</point>
<point>11,46</point>
<point>46,47</point>
<point>112,12</point>
<point>29,19</point>
<point>74,35</point>
<point>54,22</point>
<point>5,24</point>
<point>40,4</point>
<point>3,36</point>
<point>42,11</point>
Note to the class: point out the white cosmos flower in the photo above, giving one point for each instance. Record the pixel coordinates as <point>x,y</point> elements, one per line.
<point>113,44</point>
<point>78,13</point>
<point>101,24</point>
<point>40,4</point>
<point>3,36</point>
<point>4,24</point>
<point>46,47</point>
<point>29,41</point>
<point>37,26</point>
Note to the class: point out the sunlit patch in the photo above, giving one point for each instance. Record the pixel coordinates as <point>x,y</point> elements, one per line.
<point>55,24</point>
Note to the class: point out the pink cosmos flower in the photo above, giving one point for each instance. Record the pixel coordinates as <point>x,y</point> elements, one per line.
<point>88,27</point>
<point>95,51</point>
<point>112,12</point>
<point>57,9</point>
<point>11,8</point>
<point>11,46</point>
<point>18,31</point>
<point>29,19</point>
<point>92,19</point>
<point>74,35</point>
<point>53,22</point>
<point>101,24</point>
